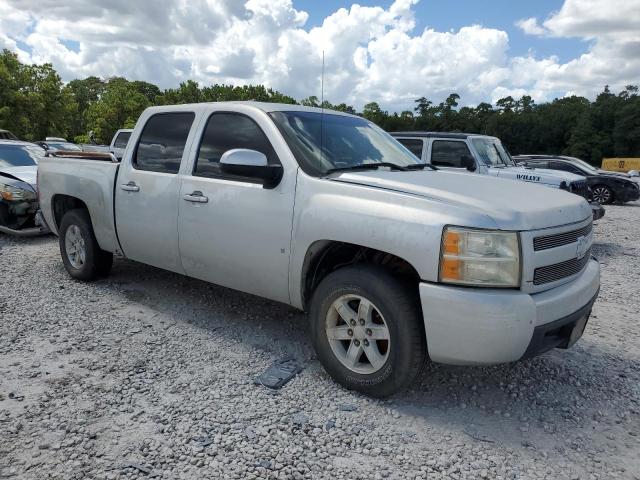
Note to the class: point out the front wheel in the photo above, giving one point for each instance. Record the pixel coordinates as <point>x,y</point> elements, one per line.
<point>367,330</point>
<point>602,194</point>
<point>82,257</point>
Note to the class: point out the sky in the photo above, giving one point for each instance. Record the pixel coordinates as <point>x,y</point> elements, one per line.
<point>388,51</point>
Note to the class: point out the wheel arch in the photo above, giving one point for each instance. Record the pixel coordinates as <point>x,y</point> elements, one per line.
<point>325,256</point>
<point>61,204</point>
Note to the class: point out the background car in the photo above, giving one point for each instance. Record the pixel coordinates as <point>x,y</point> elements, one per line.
<point>57,145</point>
<point>19,209</point>
<point>119,142</point>
<point>607,187</point>
<point>7,135</point>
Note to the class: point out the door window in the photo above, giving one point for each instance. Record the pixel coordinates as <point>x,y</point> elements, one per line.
<point>162,142</point>
<point>566,167</point>
<point>446,153</point>
<point>537,164</point>
<point>227,131</point>
<point>413,144</point>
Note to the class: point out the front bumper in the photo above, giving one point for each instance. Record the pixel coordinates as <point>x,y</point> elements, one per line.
<point>629,195</point>
<point>476,326</point>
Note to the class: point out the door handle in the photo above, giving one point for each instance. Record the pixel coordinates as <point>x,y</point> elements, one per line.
<point>130,187</point>
<point>196,197</point>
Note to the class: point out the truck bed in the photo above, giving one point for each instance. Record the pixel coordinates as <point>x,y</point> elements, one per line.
<point>89,177</point>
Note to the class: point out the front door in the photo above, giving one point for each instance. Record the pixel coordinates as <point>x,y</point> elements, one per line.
<point>147,190</point>
<point>449,154</point>
<point>234,232</point>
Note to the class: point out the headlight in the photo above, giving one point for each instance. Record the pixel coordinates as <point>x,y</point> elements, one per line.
<point>486,258</point>
<point>12,193</point>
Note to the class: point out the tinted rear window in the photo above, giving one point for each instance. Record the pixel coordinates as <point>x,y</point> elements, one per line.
<point>162,142</point>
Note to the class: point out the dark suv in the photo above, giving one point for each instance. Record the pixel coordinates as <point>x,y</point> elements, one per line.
<point>607,187</point>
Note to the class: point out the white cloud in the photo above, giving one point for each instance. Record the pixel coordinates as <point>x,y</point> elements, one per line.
<point>530,26</point>
<point>372,53</point>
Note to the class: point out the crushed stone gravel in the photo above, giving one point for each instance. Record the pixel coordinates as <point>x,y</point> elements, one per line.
<point>148,374</point>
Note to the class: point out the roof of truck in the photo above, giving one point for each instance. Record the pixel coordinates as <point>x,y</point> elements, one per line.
<point>264,106</point>
<point>457,135</point>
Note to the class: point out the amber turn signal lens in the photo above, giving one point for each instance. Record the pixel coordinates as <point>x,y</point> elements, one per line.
<point>450,269</point>
<point>452,243</point>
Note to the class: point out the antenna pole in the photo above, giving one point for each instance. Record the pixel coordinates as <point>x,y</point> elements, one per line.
<point>322,83</point>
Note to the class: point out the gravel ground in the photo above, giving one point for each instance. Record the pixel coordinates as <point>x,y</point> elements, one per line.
<point>150,374</point>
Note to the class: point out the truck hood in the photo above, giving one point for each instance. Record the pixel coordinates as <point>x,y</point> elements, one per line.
<point>24,174</point>
<point>536,175</point>
<point>513,206</point>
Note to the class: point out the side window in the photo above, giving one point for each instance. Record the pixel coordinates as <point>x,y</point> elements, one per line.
<point>565,167</point>
<point>226,131</point>
<point>122,139</point>
<point>446,153</point>
<point>538,164</point>
<point>162,142</point>
<point>414,145</point>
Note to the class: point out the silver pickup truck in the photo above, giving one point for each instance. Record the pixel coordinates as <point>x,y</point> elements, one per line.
<point>393,261</point>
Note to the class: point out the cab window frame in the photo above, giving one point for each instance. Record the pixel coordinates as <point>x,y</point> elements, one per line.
<point>134,157</point>
<point>225,175</point>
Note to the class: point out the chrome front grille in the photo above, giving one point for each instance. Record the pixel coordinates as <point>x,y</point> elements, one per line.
<point>558,271</point>
<point>559,239</point>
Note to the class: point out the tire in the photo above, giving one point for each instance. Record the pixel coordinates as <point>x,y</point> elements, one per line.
<point>88,262</point>
<point>602,194</point>
<point>396,362</point>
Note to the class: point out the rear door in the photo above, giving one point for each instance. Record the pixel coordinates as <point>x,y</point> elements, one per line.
<point>147,190</point>
<point>234,232</point>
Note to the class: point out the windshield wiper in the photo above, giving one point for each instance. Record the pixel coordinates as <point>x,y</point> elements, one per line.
<point>421,166</point>
<point>367,166</point>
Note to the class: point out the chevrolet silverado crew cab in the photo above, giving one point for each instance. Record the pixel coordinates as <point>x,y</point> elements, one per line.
<point>486,155</point>
<point>324,211</point>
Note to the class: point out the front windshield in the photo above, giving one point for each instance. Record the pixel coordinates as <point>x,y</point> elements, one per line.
<point>321,142</point>
<point>492,152</point>
<point>20,156</point>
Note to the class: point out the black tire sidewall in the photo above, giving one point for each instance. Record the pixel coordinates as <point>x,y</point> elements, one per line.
<point>399,307</point>
<point>91,268</point>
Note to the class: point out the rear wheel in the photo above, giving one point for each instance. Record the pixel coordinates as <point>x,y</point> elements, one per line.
<point>602,194</point>
<point>82,257</point>
<point>367,330</point>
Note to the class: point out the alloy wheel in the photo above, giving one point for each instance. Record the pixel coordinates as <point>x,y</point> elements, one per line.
<point>358,334</point>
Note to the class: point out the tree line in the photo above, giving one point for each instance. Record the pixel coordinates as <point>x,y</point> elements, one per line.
<point>35,103</point>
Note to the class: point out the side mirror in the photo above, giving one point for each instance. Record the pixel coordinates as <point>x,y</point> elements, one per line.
<point>634,173</point>
<point>252,164</point>
<point>468,163</point>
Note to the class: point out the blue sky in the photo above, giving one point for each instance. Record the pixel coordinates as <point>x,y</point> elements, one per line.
<point>454,14</point>
<point>471,47</point>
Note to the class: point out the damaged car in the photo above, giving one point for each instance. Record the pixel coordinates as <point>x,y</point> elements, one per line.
<point>19,209</point>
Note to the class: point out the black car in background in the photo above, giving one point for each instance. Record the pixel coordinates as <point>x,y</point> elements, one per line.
<point>607,187</point>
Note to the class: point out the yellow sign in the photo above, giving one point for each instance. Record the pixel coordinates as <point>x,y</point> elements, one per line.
<point>620,164</point>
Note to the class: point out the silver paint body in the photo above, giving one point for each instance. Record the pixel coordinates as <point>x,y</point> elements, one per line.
<point>256,240</point>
